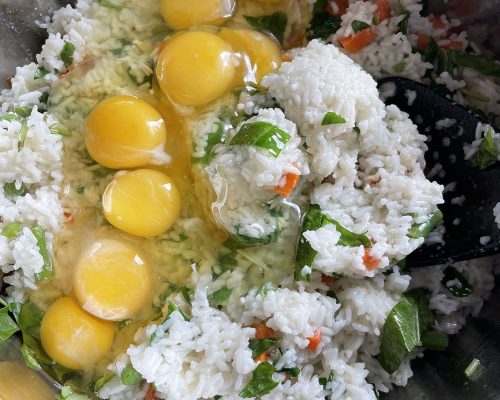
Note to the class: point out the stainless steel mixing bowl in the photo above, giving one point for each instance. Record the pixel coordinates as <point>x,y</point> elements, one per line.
<point>440,375</point>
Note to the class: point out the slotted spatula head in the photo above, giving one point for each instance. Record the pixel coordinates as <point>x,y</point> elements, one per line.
<point>471,231</point>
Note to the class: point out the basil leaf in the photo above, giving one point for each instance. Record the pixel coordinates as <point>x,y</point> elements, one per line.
<point>487,154</point>
<point>399,68</point>
<point>322,26</point>
<point>435,340</point>
<point>220,296</point>
<point>478,63</point>
<point>425,228</point>
<point>101,382</point>
<point>401,334</point>
<point>7,325</point>
<point>67,54</point>
<point>358,26</point>
<point>47,271</point>
<point>213,139</point>
<point>109,4</point>
<point>456,283</point>
<point>259,346</point>
<point>313,220</point>
<point>30,319</point>
<point>40,73</point>
<point>332,118</point>
<point>130,376</point>
<point>275,23</point>
<point>262,134</point>
<point>10,189</point>
<point>262,381</point>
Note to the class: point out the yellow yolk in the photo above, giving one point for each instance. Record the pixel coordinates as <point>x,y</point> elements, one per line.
<point>125,132</point>
<point>144,202</point>
<point>261,54</point>
<point>195,68</point>
<point>182,14</point>
<point>74,338</point>
<point>112,280</point>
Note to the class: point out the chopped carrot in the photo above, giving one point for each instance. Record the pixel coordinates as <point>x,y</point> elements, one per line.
<point>290,181</point>
<point>454,45</point>
<point>328,280</point>
<point>355,43</point>
<point>262,331</point>
<point>383,10</point>
<point>342,6</point>
<point>314,340</point>
<point>423,41</point>
<point>287,57</point>
<point>370,262</point>
<point>437,22</point>
<point>262,357</point>
<point>150,394</point>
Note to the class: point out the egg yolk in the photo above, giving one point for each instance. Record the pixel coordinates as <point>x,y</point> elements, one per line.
<point>182,14</point>
<point>74,338</point>
<point>261,54</point>
<point>112,280</point>
<point>195,68</point>
<point>125,132</point>
<point>144,202</point>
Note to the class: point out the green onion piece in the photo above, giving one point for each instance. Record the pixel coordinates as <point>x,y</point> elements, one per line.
<point>265,288</point>
<point>262,381</point>
<point>291,372</point>
<point>213,139</point>
<point>40,72</point>
<point>434,340</point>
<point>110,4</point>
<point>474,370</point>
<point>323,381</point>
<point>399,68</point>
<point>487,154</point>
<point>80,190</point>
<point>68,394</point>
<point>358,26</point>
<point>275,23</point>
<point>476,62</point>
<point>130,376</point>
<point>262,134</point>
<point>332,118</point>
<point>220,296</point>
<point>101,382</point>
<point>67,54</point>
<point>10,189</point>
<point>456,283</point>
<point>425,228</point>
<point>259,346</point>
<point>47,271</point>
<point>23,134</point>
<point>57,130</point>
<point>9,117</point>
<point>23,112</point>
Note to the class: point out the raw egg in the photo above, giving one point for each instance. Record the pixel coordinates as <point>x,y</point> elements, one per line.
<point>182,14</point>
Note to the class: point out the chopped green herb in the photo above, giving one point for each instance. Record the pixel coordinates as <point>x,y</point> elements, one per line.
<point>10,189</point>
<point>47,271</point>
<point>331,293</point>
<point>291,372</point>
<point>40,72</point>
<point>357,130</point>
<point>259,346</point>
<point>262,381</point>
<point>265,288</point>
<point>479,63</point>
<point>9,117</point>
<point>323,25</point>
<point>456,283</point>
<point>30,319</point>
<point>434,340</point>
<point>57,130</point>
<point>29,357</point>
<point>68,394</point>
<point>332,118</point>
<point>425,228</point>
<point>399,68</point>
<point>7,325</point>
<point>186,294</point>
<point>313,220</point>
<point>262,134</point>
<point>220,296</point>
<point>275,23</point>
<point>403,25</point>
<point>80,190</point>
<point>323,381</point>
<point>44,99</point>
<point>213,139</point>
<point>358,26</point>
<point>11,230</point>
<point>123,324</point>
<point>146,79</point>
<point>487,154</point>
<point>67,54</point>
<point>23,134</point>
<point>130,376</point>
<point>23,112</point>
<point>101,382</point>
<point>110,4</point>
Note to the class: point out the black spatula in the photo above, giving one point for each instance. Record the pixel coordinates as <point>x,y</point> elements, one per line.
<point>468,220</point>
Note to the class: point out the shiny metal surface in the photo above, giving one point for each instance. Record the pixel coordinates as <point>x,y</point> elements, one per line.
<point>437,376</point>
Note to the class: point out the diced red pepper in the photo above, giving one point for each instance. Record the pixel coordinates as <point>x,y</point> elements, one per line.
<point>360,40</point>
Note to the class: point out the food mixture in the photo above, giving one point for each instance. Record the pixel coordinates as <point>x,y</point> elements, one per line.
<point>209,199</point>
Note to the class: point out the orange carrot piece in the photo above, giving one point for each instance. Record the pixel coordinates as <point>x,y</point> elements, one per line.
<point>355,43</point>
<point>454,45</point>
<point>342,6</point>
<point>437,22</point>
<point>261,358</point>
<point>150,394</point>
<point>328,280</point>
<point>383,10</point>
<point>314,340</point>
<point>291,181</point>
<point>370,262</point>
<point>423,41</point>
<point>262,331</point>
<point>287,57</point>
